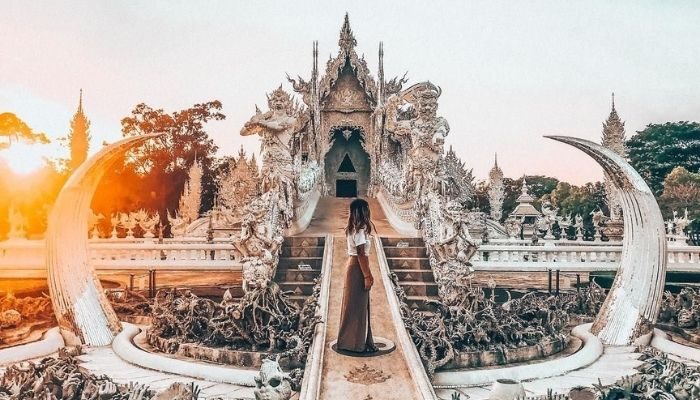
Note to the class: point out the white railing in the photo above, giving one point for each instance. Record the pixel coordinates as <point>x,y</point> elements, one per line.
<point>27,256</point>
<point>520,257</point>
<point>194,254</point>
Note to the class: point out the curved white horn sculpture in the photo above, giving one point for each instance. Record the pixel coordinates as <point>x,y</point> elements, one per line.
<point>81,307</point>
<point>631,308</point>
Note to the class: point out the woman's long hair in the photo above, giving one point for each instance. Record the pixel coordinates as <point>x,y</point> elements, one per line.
<point>359,217</point>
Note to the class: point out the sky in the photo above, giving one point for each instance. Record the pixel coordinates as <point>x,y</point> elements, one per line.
<point>511,72</point>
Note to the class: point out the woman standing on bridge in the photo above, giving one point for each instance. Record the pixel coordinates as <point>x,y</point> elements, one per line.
<point>355,333</point>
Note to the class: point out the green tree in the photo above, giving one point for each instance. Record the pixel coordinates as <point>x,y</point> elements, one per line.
<point>12,127</point>
<point>659,148</point>
<point>681,190</point>
<point>572,200</point>
<point>153,175</point>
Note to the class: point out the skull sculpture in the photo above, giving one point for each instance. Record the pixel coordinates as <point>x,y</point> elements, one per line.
<point>272,383</point>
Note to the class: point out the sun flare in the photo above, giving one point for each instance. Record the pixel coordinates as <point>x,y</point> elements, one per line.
<point>23,158</point>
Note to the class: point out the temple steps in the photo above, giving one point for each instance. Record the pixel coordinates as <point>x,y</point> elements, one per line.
<point>403,263</point>
<point>301,251</point>
<point>420,288</point>
<point>413,275</point>
<point>395,241</point>
<point>304,241</point>
<point>299,265</point>
<point>408,259</point>
<point>402,252</point>
<point>298,288</point>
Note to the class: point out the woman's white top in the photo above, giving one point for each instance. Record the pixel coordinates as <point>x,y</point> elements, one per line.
<point>357,239</point>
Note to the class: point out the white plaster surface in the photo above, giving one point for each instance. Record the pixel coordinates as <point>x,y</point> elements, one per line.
<point>125,349</point>
<point>661,341</point>
<point>49,344</point>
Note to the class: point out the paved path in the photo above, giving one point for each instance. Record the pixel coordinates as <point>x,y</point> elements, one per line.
<point>384,377</point>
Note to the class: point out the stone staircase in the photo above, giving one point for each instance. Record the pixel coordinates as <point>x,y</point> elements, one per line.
<point>408,259</point>
<point>296,251</point>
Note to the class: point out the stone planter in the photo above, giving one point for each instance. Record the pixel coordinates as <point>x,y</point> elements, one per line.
<point>479,359</point>
<point>219,355</point>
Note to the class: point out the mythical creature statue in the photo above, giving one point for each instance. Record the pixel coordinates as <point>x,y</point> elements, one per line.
<point>303,87</point>
<point>578,225</point>
<point>146,222</point>
<point>598,218</point>
<point>681,222</point>
<point>513,227</point>
<point>412,121</point>
<point>682,310</point>
<point>277,128</point>
<point>114,222</point>
<point>258,245</point>
<point>129,222</point>
<point>564,223</point>
<point>178,225</point>
<point>548,218</point>
<point>18,223</point>
<point>93,222</point>
<point>455,242</point>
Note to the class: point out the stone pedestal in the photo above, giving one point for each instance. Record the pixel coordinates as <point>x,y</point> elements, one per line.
<point>614,230</point>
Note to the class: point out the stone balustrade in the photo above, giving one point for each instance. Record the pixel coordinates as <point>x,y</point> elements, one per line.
<point>580,257</point>
<point>18,257</point>
<point>25,258</point>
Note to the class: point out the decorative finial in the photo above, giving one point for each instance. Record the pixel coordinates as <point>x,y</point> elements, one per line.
<point>347,40</point>
<point>613,101</point>
<point>80,102</point>
<point>495,159</point>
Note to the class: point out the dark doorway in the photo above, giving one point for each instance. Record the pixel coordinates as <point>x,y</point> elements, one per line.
<point>346,165</point>
<point>346,188</point>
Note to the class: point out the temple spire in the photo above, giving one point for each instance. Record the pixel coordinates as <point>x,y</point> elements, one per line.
<point>495,160</point>
<point>496,191</point>
<point>78,137</point>
<point>614,139</point>
<point>314,68</point>
<point>613,102</point>
<point>347,40</point>
<point>380,72</point>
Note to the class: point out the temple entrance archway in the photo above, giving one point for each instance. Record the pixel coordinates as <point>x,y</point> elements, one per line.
<point>347,164</point>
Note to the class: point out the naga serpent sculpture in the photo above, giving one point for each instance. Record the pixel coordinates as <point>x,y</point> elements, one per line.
<point>82,310</point>
<point>632,306</point>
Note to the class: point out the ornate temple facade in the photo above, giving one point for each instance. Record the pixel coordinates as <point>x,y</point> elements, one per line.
<point>355,128</point>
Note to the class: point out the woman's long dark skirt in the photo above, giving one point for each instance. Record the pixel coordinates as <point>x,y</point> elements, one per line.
<point>355,332</point>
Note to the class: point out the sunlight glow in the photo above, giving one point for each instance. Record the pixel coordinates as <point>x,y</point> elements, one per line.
<point>23,158</point>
